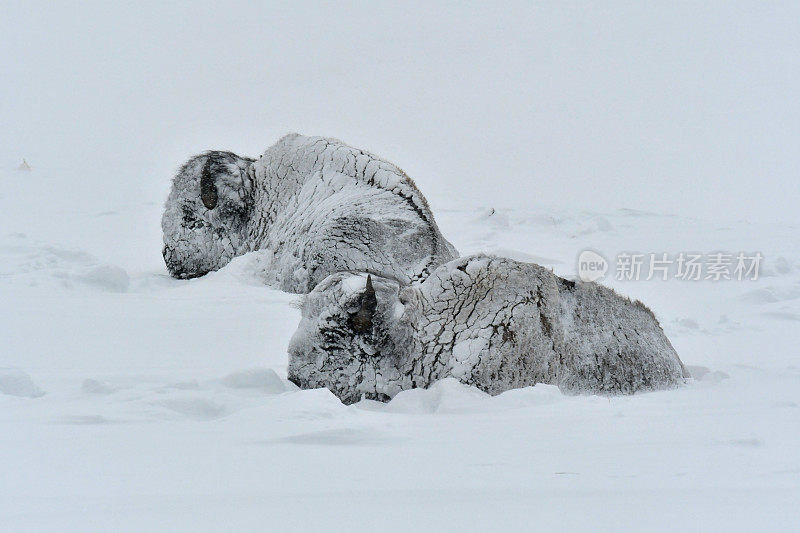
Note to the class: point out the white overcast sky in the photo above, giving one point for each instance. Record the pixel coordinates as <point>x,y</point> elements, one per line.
<point>673,107</point>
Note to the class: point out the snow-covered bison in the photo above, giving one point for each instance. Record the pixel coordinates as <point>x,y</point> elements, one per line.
<point>319,205</point>
<point>490,322</point>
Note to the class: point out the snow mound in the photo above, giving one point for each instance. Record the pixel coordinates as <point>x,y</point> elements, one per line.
<point>446,396</point>
<point>194,407</point>
<point>706,375</point>
<point>37,264</point>
<point>450,396</point>
<point>94,386</point>
<point>251,268</point>
<point>14,382</point>
<point>262,379</point>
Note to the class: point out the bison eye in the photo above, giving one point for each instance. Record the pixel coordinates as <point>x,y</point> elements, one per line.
<point>208,191</point>
<point>209,196</point>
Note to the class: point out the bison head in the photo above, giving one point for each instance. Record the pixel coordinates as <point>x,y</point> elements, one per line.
<point>205,217</point>
<point>356,338</point>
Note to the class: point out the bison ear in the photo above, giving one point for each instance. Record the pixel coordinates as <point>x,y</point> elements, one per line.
<point>208,191</point>
<point>361,320</point>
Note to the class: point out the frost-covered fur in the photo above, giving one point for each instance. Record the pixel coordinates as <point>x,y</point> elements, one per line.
<point>318,205</point>
<point>491,322</point>
<point>198,240</point>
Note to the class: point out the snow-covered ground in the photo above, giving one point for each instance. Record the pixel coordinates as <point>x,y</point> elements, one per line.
<point>130,401</point>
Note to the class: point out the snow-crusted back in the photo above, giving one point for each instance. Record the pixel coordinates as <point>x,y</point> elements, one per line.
<point>487,321</point>
<point>319,205</point>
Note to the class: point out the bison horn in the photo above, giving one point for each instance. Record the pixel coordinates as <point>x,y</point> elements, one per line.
<point>368,298</point>
<point>208,191</point>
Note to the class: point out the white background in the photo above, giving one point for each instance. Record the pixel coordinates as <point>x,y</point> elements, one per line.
<point>689,106</point>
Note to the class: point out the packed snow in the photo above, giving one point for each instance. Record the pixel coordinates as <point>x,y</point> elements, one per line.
<point>133,401</point>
